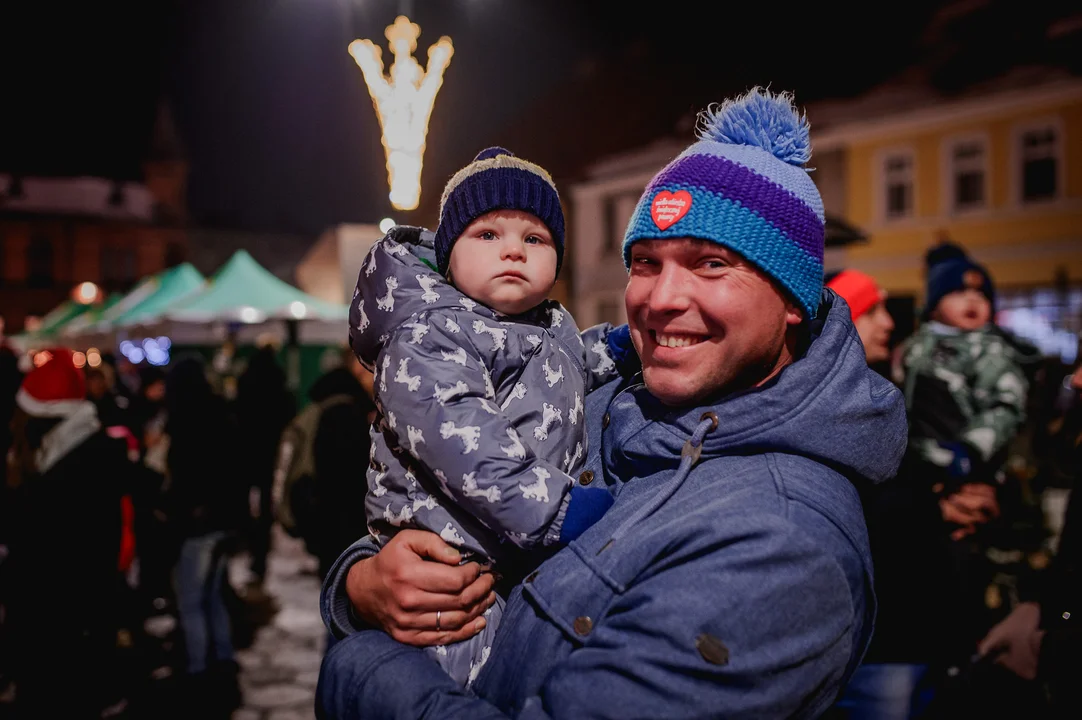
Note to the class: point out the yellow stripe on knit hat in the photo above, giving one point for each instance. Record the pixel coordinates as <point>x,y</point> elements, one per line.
<point>492,163</point>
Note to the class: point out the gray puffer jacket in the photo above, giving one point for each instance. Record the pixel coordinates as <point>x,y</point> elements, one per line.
<point>481,414</point>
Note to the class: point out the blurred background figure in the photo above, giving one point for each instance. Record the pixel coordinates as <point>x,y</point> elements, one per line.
<point>867,303</point>
<point>203,501</point>
<point>66,476</point>
<point>1040,640</point>
<point>264,406</point>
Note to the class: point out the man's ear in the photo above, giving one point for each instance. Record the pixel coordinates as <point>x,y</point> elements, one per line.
<point>794,315</point>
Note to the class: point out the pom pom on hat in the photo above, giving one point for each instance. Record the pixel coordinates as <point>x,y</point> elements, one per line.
<point>760,119</point>
<point>56,388</point>
<point>743,185</point>
<point>494,151</point>
<point>943,252</point>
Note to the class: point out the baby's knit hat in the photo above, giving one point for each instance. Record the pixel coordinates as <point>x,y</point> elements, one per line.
<point>497,180</point>
<point>948,270</point>
<point>743,185</point>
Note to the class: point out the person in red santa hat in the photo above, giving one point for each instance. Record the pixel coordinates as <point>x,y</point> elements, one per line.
<point>868,306</point>
<point>67,477</point>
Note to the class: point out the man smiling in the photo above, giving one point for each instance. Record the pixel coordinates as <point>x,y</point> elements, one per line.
<point>731,577</point>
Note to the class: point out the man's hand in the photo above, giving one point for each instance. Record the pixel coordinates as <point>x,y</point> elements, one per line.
<point>974,504</point>
<point>1019,638</point>
<point>401,588</point>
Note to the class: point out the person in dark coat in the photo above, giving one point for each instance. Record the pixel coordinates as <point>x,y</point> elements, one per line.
<point>203,495</point>
<point>264,407</point>
<point>1040,640</point>
<point>67,477</point>
<point>341,437</point>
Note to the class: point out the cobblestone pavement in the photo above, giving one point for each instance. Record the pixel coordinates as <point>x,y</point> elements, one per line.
<point>279,671</point>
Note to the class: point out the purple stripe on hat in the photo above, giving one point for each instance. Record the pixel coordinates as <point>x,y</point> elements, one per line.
<point>734,181</point>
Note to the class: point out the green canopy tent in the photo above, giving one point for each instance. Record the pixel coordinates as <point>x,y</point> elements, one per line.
<point>153,296</point>
<point>51,325</point>
<point>244,291</point>
<point>246,298</point>
<point>85,323</point>
<point>58,317</point>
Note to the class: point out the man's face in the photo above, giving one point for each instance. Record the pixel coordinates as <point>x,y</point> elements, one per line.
<point>704,320</point>
<point>874,328</point>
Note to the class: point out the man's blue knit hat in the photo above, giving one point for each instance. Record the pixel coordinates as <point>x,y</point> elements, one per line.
<point>743,185</point>
<point>497,180</point>
<point>949,269</point>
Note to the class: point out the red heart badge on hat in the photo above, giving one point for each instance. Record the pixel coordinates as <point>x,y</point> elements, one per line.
<point>667,208</point>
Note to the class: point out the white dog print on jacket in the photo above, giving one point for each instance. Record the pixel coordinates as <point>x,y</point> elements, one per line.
<point>469,435</point>
<point>386,303</point>
<point>538,490</point>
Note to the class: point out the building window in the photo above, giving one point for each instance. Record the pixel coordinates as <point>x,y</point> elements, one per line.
<point>898,184</point>
<point>618,210</point>
<point>1039,153</point>
<point>40,262</point>
<point>969,174</point>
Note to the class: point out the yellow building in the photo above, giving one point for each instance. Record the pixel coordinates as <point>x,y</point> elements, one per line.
<point>998,171</point>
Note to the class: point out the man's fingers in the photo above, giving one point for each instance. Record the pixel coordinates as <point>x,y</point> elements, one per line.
<point>432,577</point>
<point>960,533</point>
<point>975,503</point>
<point>952,513</point>
<point>478,592</point>
<point>429,545</point>
<point>428,638</point>
<point>449,620</point>
<point>978,489</point>
<point>477,598</point>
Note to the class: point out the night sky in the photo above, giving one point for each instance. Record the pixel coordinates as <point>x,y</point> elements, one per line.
<point>279,130</point>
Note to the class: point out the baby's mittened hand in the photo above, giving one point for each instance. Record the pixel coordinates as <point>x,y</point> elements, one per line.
<point>586,507</point>
<point>961,465</point>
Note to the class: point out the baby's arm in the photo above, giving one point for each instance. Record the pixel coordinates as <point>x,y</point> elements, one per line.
<point>999,392</point>
<point>607,354</point>
<point>438,399</point>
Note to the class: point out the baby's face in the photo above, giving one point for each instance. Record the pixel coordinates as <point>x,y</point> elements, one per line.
<point>964,309</point>
<point>505,259</point>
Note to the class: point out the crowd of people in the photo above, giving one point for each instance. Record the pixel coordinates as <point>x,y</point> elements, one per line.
<point>125,502</point>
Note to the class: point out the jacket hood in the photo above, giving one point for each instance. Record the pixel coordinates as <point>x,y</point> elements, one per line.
<point>398,279</point>
<point>828,406</point>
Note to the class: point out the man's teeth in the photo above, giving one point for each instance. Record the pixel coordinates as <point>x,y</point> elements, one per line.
<point>677,340</point>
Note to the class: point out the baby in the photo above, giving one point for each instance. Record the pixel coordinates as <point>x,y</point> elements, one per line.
<point>480,379</point>
<point>963,377</point>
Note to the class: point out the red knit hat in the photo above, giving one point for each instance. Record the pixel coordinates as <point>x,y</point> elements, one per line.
<point>860,291</point>
<point>56,388</point>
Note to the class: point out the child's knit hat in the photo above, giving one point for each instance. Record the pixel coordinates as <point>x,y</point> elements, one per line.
<point>860,291</point>
<point>949,269</point>
<point>743,185</point>
<point>497,180</point>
